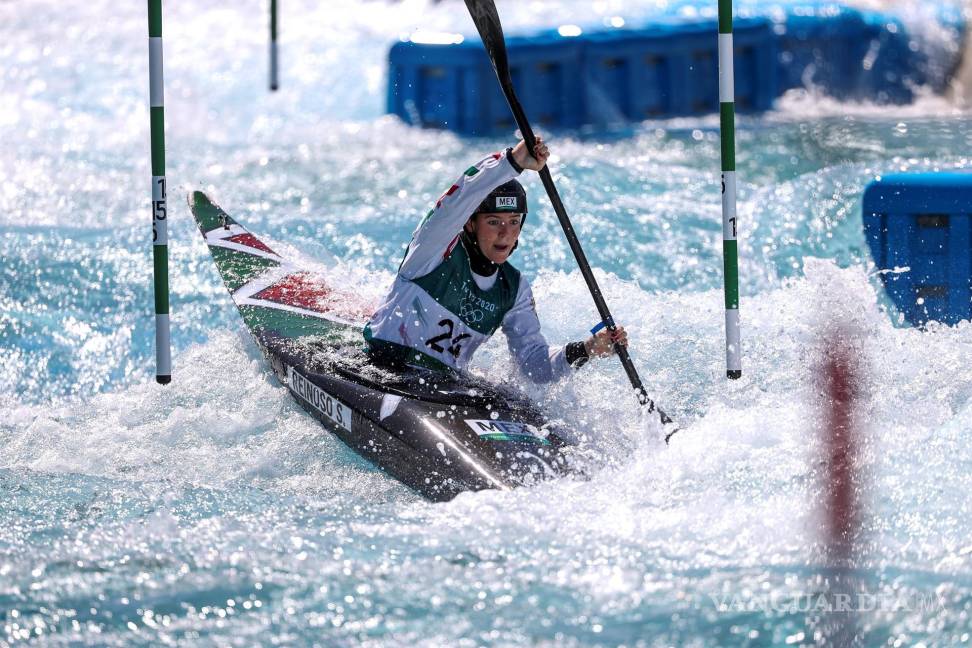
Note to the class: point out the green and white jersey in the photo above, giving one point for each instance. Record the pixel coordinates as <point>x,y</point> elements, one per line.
<point>439,311</point>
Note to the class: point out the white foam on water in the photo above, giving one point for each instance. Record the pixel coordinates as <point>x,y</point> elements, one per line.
<point>225,421</point>
<point>223,475</point>
<point>801,104</point>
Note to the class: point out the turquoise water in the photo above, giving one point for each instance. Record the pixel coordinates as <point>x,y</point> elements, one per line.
<point>215,512</point>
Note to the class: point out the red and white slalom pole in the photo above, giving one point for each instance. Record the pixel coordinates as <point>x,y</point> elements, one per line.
<point>842,482</point>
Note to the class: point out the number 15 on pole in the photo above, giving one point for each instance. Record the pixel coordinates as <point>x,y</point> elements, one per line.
<point>160,229</point>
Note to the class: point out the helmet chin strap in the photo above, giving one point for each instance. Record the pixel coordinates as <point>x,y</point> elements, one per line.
<point>478,261</point>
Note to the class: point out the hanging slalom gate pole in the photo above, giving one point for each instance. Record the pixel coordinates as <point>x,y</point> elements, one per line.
<point>727,128</point>
<point>160,233</point>
<point>274,83</point>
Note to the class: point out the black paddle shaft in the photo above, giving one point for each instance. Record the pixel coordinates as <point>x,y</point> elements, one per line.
<point>487,22</point>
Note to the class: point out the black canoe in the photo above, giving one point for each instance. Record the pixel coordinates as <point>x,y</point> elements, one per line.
<point>438,433</point>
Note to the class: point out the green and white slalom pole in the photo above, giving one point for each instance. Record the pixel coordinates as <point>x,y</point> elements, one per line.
<point>160,230</point>
<point>727,124</point>
<point>274,82</point>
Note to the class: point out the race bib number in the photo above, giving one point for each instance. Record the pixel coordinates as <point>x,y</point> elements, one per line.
<point>445,342</point>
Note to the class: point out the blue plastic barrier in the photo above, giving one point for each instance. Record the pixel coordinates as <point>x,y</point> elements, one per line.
<point>664,68</point>
<point>454,87</point>
<point>822,46</point>
<point>544,73</point>
<point>602,78</point>
<point>437,85</point>
<point>850,54</point>
<point>672,69</point>
<point>918,229</point>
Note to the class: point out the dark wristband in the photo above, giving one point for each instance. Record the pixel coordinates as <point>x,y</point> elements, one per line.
<point>576,354</point>
<point>509,156</point>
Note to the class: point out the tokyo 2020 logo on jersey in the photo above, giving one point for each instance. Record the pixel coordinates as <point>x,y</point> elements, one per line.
<point>469,312</point>
<point>472,307</point>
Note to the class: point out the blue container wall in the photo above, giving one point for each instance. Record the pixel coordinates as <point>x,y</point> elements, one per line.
<point>663,69</point>
<point>823,51</point>
<point>919,227</point>
<point>850,55</point>
<point>895,69</point>
<point>439,86</point>
<point>544,73</point>
<point>674,71</point>
<point>603,78</point>
<point>454,86</point>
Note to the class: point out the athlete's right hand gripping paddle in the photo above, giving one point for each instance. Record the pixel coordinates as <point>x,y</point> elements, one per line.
<point>487,22</point>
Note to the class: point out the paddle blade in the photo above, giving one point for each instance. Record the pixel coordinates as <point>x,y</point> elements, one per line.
<point>487,22</point>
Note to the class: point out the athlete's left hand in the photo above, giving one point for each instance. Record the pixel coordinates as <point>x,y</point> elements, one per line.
<point>533,162</point>
<point>602,344</point>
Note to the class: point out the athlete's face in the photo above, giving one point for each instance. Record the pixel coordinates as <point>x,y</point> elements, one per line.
<point>496,234</point>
